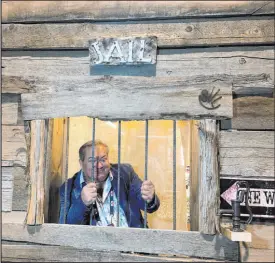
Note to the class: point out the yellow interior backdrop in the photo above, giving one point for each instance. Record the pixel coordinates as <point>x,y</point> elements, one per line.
<point>160,158</point>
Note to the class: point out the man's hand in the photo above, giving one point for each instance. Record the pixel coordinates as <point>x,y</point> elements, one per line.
<point>89,193</point>
<point>147,191</point>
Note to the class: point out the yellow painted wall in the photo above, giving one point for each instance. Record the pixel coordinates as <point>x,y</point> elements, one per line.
<point>160,158</point>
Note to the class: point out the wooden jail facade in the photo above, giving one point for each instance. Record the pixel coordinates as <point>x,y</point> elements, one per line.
<point>46,74</point>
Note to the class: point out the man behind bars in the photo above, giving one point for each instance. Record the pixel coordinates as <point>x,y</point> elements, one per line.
<point>95,203</point>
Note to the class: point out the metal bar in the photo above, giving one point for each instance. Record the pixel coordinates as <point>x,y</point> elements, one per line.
<point>93,152</point>
<point>146,169</point>
<point>174,175</point>
<point>66,137</point>
<point>118,170</point>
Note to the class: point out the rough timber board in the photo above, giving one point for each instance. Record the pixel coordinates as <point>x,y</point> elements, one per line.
<point>132,98</point>
<point>247,153</point>
<point>13,11</point>
<point>42,253</point>
<point>124,239</point>
<point>250,70</point>
<point>230,31</point>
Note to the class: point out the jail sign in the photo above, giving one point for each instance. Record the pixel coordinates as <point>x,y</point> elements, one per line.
<point>261,197</point>
<point>123,51</point>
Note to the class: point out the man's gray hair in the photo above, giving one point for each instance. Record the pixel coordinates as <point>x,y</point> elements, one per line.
<point>90,144</point>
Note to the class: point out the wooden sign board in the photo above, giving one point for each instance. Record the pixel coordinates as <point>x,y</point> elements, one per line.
<point>261,196</point>
<point>126,51</point>
<point>126,98</point>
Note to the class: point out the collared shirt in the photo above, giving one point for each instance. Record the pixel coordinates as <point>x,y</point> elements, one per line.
<point>103,205</point>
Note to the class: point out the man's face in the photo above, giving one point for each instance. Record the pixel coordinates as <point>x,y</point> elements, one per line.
<point>101,163</point>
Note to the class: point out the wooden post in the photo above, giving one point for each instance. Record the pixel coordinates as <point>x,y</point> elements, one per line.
<point>36,171</point>
<point>39,161</point>
<point>208,177</point>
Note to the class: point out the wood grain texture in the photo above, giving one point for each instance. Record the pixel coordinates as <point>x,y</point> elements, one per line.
<point>249,70</point>
<point>9,113</point>
<point>257,255</point>
<point>139,97</point>
<point>20,189</point>
<point>208,177</point>
<point>35,213</point>
<point>191,243</point>
<point>14,149</point>
<point>36,11</point>
<point>253,113</point>
<point>42,253</point>
<point>262,235</point>
<point>231,31</point>
<point>7,188</point>
<point>247,153</point>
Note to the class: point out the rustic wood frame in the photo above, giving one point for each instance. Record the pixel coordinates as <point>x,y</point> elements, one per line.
<point>216,246</point>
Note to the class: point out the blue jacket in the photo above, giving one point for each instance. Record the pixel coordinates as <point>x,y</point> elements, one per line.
<point>130,198</point>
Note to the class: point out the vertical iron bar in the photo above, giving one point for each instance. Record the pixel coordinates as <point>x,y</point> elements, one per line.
<point>146,169</point>
<point>66,166</point>
<point>174,175</point>
<point>118,170</point>
<point>93,151</point>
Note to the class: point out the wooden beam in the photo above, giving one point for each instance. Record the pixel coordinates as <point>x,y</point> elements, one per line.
<point>36,11</point>
<point>35,213</point>
<point>247,153</point>
<point>208,177</point>
<point>154,98</point>
<point>249,71</point>
<point>7,188</point>
<point>27,253</point>
<point>14,148</point>
<point>232,31</point>
<point>188,243</point>
<point>253,113</point>
<point>20,189</point>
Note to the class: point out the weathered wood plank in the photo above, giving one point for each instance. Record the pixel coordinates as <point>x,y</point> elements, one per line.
<point>9,113</point>
<point>13,146</point>
<point>253,113</point>
<point>190,243</point>
<point>36,11</point>
<point>249,70</point>
<point>208,177</point>
<point>35,213</point>
<point>247,153</point>
<point>154,98</point>
<point>14,217</point>
<point>7,188</point>
<point>20,189</point>
<point>247,139</point>
<point>44,253</point>
<point>262,235</point>
<point>256,255</point>
<point>169,34</point>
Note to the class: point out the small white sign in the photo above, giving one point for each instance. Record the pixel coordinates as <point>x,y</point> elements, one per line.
<point>117,51</point>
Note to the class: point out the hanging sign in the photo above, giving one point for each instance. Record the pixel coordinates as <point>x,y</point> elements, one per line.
<point>123,51</point>
<point>261,196</point>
